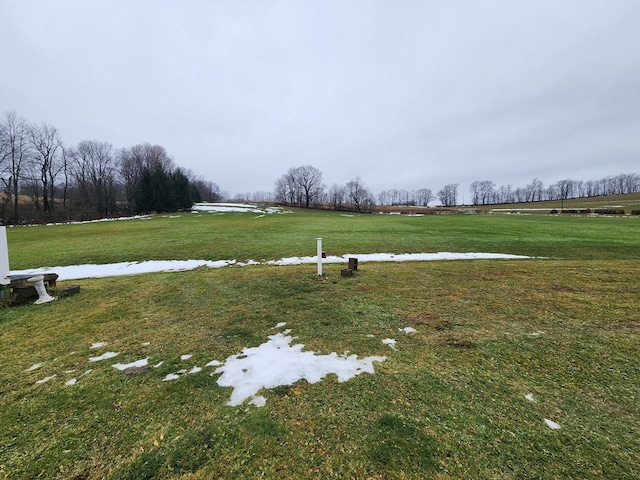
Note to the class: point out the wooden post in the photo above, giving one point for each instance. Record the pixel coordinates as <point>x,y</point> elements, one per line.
<point>353,263</point>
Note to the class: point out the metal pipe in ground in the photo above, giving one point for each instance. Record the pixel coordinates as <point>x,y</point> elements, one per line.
<point>319,256</point>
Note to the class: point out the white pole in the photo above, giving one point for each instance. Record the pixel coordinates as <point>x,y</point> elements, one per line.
<point>319,256</point>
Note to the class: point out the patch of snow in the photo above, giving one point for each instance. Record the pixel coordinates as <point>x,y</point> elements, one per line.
<point>99,345</point>
<point>185,357</point>
<point>87,372</point>
<point>159,364</point>
<point>537,333</point>
<point>104,356</point>
<point>233,208</point>
<point>551,424</point>
<point>137,363</point>
<point>213,363</point>
<point>180,372</point>
<point>33,367</point>
<point>170,376</point>
<point>391,342</point>
<point>407,330</point>
<point>392,257</point>
<point>45,379</point>
<point>276,362</point>
<point>146,344</point>
<point>195,370</point>
<point>370,335</point>
<point>529,396</point>
<point>75,272</point>
<point>71,381</point>
<point>279,325</point>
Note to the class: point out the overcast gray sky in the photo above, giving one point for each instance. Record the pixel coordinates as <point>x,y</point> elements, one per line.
<point>406,94</point>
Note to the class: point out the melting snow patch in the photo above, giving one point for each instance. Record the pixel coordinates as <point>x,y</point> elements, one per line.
<point>71,381</point>
<point>185,357</point>
<point>195,370</point>
<point>158,364</point>
<point>390,341</point>
<point>75,272</point>
<point>551,424</point>
<point>99,345</point>
<point>104,356</point>
<point>529,396</point>
<point>137,363</point>
<point>279,325</point>
<point>33,367</point>
<point>276,362</point>
<point>537,333</point>
<point>407,329</point>
<point>213,363</point>
<point>170,376</point>
<point>45,379</point>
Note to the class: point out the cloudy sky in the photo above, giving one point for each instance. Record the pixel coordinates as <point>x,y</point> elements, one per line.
<point>406,94</point>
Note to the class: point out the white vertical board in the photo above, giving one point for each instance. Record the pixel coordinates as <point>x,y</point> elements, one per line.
<point>4,257</point>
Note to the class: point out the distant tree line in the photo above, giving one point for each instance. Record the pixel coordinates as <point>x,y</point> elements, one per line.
<point>303,187</point>
<point>41,178</point>
<point>485,192</point>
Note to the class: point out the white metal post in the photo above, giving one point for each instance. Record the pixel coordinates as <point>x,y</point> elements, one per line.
<point>319,256</point>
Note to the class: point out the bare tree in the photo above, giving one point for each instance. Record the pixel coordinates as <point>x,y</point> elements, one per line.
<point>448,196</point>
<point>14,155</point>
<point>423,197</point>
<point>46,146</point>
<point>360,197</point>
<point>95,175</point>
<point>300,186</point>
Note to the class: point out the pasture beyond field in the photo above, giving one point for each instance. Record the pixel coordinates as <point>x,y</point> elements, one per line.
<point>450,401</point>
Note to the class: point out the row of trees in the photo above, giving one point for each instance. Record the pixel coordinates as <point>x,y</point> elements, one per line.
<point>303,186</point>
<point>486,193</point>
<point>89,179</point>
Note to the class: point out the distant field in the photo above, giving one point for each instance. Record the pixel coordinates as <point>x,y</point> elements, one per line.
<point>499,347</point>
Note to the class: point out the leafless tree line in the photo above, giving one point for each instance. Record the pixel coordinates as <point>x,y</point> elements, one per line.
<point>83,181</point>
<point>485,192</point>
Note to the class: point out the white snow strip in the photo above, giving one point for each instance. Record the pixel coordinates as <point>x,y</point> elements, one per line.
<point>276,362</point>
<point>170,376</point>
<point>99,345</point>
<point>279,325</point>
<point>195,370</point>
<point>146,344</point>
<point>71,381</point>
<point>159,364</point>
<point>392,257</point>
<point>104,356</point>
<point>551,424</point>
<point>137,363</point>
<point>407,329</point>
<point>45,379</point>
<point>391,342</point>
<point>529,396</point>
<point>74,272</point>
<point>33,367</point>
<point>213,363</point>
<point>185,357</point>
<point>537,333</point>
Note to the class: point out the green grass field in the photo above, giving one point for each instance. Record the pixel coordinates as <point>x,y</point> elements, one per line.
<point>448,403</point>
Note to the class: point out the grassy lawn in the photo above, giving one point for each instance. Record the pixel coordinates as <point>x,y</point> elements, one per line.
<point>449,402</point>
